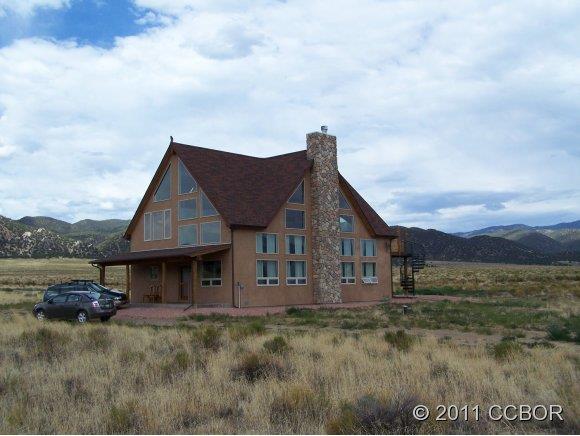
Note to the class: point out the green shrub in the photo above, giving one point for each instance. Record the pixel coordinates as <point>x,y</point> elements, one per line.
<point>255,366</point>
<point>208,337</point>
<point>400,340</point>
<point>506,349</point>
<point>294,405</point>
<point>253,328</point>
<point>44,343</point>
<point>123,419</point>
<point>98,338</point>
<point>276,345</point>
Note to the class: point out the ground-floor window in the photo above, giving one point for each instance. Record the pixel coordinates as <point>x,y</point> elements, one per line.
<point>267,272</point>
<point>211,273</point>
<point>347,273</point>
<point>296,272</point>
<point>369,272</point>
<point>154,272</point>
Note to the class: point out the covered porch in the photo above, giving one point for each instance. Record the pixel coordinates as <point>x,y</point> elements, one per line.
<point>190,275</point>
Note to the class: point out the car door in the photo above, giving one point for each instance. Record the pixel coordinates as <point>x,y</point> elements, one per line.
<point>55,306</point>
<point>72,305</point>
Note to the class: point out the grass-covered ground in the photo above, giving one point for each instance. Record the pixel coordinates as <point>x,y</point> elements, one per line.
<point>310,371</point>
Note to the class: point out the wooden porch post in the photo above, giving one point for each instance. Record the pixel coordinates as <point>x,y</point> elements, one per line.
<point>193,274</point>
<point>102,275</point>
<point>163,281</point>
<point>128,281</point>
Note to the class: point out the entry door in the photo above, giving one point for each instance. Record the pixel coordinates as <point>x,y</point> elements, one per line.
<point>184,283</point>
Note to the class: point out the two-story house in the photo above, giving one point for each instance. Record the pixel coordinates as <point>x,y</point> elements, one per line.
<point>224,229</point>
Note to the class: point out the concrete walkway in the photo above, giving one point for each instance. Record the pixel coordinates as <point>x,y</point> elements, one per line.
<point>174,311</point>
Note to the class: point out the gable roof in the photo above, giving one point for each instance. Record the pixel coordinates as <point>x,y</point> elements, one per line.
<point>248,191</point>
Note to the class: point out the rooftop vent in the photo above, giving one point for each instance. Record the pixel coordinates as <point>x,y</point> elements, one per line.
<point>324,129</point>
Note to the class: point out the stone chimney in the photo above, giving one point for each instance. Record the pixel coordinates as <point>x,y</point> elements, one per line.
<point>321,149</point>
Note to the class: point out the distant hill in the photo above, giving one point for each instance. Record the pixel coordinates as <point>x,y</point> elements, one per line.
<point>41,237</point>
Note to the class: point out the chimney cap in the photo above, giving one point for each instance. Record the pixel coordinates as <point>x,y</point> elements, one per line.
<point>324,129</point>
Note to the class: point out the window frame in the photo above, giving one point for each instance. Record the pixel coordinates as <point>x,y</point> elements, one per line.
<point>151,225</point>
<point>167,171</point>
<point>179,244</point>
<point>275,238</point>
<point>344,280</point>
<point>211,280</point>
<point>362,241</point>
<point>301,184</point>
<point>201,241</point>
<point>369,280</point>
<point>353,223</point>
<point>353,247</point>
<point>286,219</point>
<point>268,278</point>
<point>200,209</point>
<point>179,164</point>
<point>179,209</point>
<point>305,277</point>
<point>287,245</point>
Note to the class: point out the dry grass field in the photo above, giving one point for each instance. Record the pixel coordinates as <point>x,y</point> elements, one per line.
<point>306,371</point>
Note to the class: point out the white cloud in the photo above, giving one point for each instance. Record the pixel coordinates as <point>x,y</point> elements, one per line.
<point>424,98</point>
<point>26,7</point>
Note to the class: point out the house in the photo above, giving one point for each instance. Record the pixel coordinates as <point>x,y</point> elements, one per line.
<point>223,229</point>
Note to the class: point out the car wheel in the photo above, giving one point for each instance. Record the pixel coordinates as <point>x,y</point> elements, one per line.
<point>105,318</point>
<point>82,317</point>
<point>40,315</point>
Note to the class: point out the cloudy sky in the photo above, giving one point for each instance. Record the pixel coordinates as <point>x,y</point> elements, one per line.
<point>451,115</point>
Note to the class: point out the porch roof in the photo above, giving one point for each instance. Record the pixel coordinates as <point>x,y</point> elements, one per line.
<point>169,253</point>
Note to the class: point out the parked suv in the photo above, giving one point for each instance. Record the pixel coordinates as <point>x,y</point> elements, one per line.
<point>82,306</point>
<point>119,298</point>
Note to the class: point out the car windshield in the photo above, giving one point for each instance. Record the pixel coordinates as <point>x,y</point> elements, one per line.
<point>93,295</point>
<point>97,287</point>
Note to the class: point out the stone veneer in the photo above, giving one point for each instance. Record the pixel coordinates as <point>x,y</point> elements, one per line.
<point>321,149</point>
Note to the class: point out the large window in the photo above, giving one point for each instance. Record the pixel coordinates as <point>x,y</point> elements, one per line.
<point>267,272</point>
<point>188,235</point>
<point>266,243</point>
<point>295,219</point>
<point>295,244</point>
<point>298,196</point>
<point>368,247</point>
<point>157,225</point>
<point>211,273</point>
<point>296,272</point>
<point>207,208</point>
<point>342,201</point>
<point>346,223</point>
<point>347,247</point>
<point>188,209</point>
<point>347,276</point>
<point>211,232</point>
<point>187,183</point>
<point>163,191</point>
<point>369,272</point>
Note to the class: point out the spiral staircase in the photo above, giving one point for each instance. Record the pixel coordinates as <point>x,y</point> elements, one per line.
<point>412,258</point>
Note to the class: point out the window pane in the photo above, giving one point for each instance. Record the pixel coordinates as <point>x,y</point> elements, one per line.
<point>294,219</point>
<point>187,209</point>
<point>207,208</point>
<point>295,244</point>
<point>157,225</point>
<point>346,223</point>
<point>368,247</point>
<point>210,233</point>
<point>187,183</point>
<point>266,243</point>
<point>272,244</point>
<point>211,269</point>
<point>164,189</point>
<point>347,269</point>
<point>342,203</point>
<point>188,235</point>
<point>147,225</point>
<point>296,268</point>
<point>266,268</point>
<point>167,224</point>
<point>347,247</point>
<point>369,269</point>
<point>298,195</point>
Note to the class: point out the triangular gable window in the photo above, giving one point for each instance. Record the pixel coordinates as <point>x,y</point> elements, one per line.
<point>298,196</point>
<point>207,208</point>
<point>342,202</point>
<point>163,191</point>
<point>187,183</point>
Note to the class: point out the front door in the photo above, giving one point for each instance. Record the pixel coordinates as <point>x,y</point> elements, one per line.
<point>184,283</point>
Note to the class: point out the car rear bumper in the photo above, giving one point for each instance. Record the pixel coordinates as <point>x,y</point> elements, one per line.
<point>99,313</point>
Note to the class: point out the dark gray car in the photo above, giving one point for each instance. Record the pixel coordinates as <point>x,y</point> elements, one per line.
<point>82,306</point>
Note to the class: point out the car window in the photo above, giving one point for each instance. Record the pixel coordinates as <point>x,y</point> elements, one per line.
<point>73,297</point>
<point>94,295</point>
<point>59,299</point>
<point>93,287</point>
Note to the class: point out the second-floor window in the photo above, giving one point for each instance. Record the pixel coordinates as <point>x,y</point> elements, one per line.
<point>347,247</point>
<point>207,208</point>
<point>346,223</point>
<point>368,247</point>
<point>157,225</point>
<point>266,243</point>
<point>211,232</point>
<point>295,219</point>
<point>295,244</point>
<point>163,191</point>
<point>188,209</point>
<point>187,235</point>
